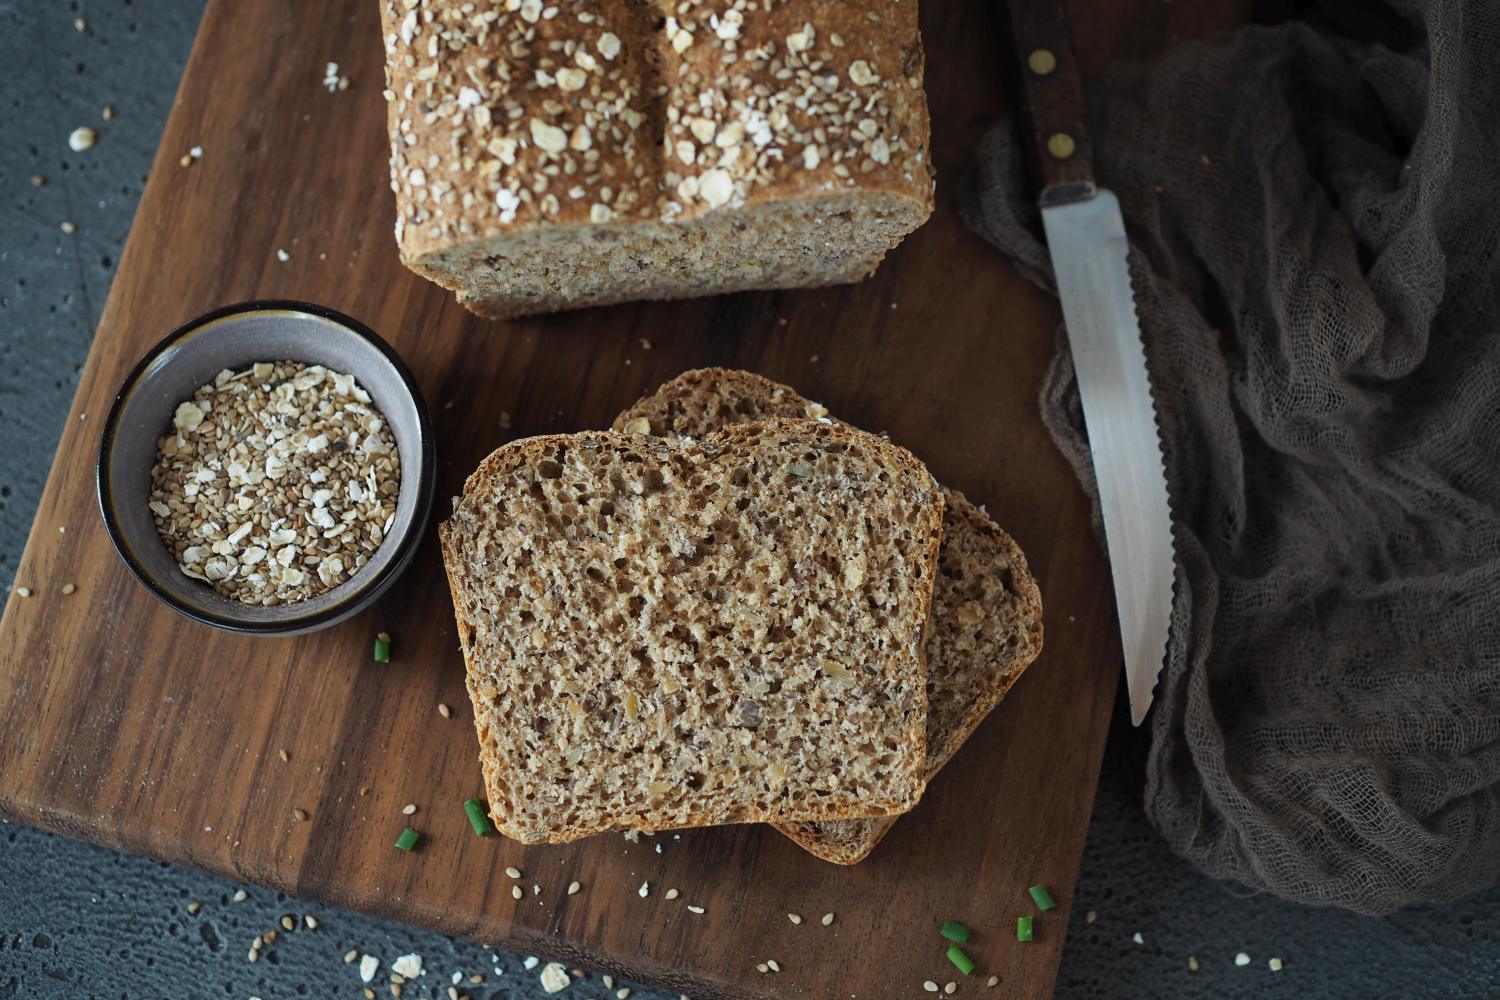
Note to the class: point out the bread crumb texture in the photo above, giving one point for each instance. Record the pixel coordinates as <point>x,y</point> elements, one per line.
<point>986,620</point>
<point>566,153</point>
<point>670,633</point>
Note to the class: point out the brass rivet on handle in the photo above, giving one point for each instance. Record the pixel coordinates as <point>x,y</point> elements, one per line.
<point>1041,62</point>
<point>1061,145</point>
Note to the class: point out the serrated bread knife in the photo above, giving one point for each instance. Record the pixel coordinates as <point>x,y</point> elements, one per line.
<point>1086,241</point>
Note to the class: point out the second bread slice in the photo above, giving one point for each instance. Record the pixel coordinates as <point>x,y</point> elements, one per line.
<point>665,633</point>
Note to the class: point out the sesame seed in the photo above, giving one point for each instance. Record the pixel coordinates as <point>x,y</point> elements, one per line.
<point>67,227</point>
<point>573,888</point>
<point>288,923</point>
<point>69,588</point>
<point>239,897</point>
<point>408,809</point>
<point>930,986</point>
<point>695,909</point>
<point>608,981</point>
<point>285,757</point>
<point>107,112</point>
<point>1275,965</point>
<point>827,919</point>
<point>644,890</point>
<point>794,918</point>
<point>1242,959</point>
<point>253,955</point>
<point>775,966</point>
<point>1193,965</point>
<point>194,906</point>
<point>672,893</point>
<point>1090,917</point>
<point>23,591</point>
<point>762,967</point>
<point>517,892</point>
<point>513,872</point>
<point>369,993</point>
<point>444,710</point>
<point>1136,937</point>
<point>993,982</point>
<point>623,993</point>
<point>299,815</point>
<point>81,138</point>
<point>270,936</point>
<point>950,988</point>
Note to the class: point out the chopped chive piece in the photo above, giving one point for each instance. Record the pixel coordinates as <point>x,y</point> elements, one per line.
<point>957,957</point>
<point>1042,897</point>
<point>1023,928</point>
<point>383,649</point>
<point>955,931</point>
<point>477,819</point>
<point>408,839</point>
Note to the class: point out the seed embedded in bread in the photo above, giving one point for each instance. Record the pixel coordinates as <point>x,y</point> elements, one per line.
<point>693,604</point>
<point>722,146</point>
<point>986,624</point>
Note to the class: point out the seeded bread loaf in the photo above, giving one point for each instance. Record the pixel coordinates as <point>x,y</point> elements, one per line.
<point>568,153</point>
<point>986,622</point>
<point>667,633</point>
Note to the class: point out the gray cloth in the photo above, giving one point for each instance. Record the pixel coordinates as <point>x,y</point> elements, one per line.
<point>1314,210</point>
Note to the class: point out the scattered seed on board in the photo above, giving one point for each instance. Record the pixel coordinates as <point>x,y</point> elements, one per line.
<point>369,993</point>
<point>644,890</point>
<point>672,894</point>
<point>1242,959</point>
<point>1193,963</point>
<point>513,872</point>
<point>827,919</point>
<point>69,588</point>
<point>23,591</point>
<point>930,986</point>
<point>253,956</point>
<point>288,923</point>
<point>351,955</point>
<point>573,888</point>
<point>608,981</point>
<point>270,936</point>
<point>408,809</point>
<point>762,967</point>
<point>68,228</point>
<point>299,815</point>
<point>1136,937</point>
<point>285,757</point>
<point>516,892</point>
<point>81,138</point>
<point>194,906</point>
<point>239,897</point>
<point>794,918</point>
<point>950,988</point>
<point>695,909</point>
<point>993,982</point>
<point>1090,917</point>
<point>107,112</point>
<point>775,966</point>
<point>1275,965</point>
<point>623,993</point>
<point>80,24</point>
<point>444,711</point>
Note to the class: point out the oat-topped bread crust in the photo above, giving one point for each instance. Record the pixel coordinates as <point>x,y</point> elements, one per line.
<point>986,620</point>
<point>651,149</point>
<point>667,633</point>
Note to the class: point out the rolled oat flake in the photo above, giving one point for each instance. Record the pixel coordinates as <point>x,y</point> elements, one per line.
<point>275,483</point>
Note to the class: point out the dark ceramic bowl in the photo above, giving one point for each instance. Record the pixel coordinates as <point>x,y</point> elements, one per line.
<point>236,337</point>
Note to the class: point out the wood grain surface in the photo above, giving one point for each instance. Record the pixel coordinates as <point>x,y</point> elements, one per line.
<point>127,725</point>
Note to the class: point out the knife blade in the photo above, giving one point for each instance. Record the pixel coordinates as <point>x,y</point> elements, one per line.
<point>1087,243</point>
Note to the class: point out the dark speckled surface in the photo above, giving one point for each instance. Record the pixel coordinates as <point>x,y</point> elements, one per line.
<point>80,921</point>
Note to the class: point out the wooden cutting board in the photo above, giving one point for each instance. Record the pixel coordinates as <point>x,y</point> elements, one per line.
<point>129,726</point>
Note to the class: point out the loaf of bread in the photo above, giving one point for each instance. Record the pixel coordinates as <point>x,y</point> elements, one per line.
<point>668,633</point>
<point>555,153</point>
<point>986,624</point>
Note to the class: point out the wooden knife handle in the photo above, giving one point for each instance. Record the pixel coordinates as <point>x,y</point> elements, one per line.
<point>1054,100</point>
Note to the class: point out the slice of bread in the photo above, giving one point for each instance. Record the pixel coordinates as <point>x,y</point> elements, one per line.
<point>667,633</point>
<point>986,625</point>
